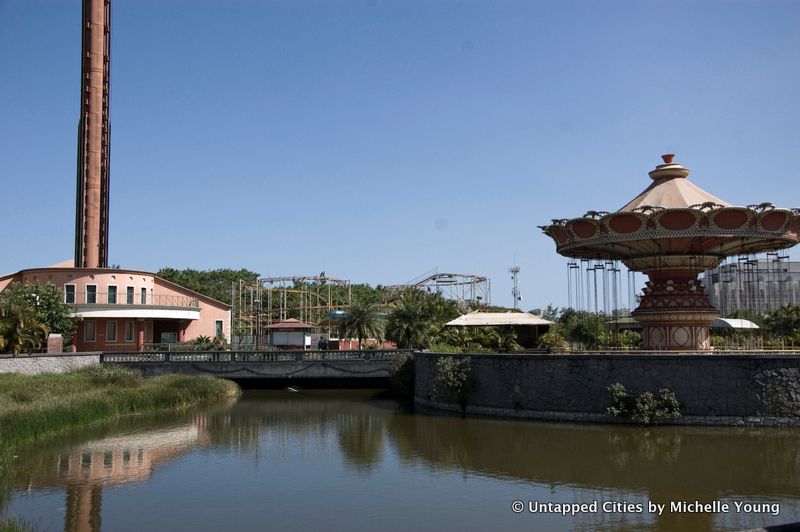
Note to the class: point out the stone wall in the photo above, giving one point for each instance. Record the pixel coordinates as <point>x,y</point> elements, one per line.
<point>50,363</point>
<point>713,389</point>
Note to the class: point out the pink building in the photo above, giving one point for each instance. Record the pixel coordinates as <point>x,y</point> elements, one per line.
<point>123,310</point>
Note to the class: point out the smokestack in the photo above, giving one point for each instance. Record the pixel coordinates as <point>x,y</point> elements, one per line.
<point>94,138</point>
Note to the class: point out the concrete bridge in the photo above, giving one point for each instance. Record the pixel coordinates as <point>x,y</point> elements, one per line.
<point>367,367</point>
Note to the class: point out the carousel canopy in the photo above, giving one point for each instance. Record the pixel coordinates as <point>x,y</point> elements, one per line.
<point>675,220</point>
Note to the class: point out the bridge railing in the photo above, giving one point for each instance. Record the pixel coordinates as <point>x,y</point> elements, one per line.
<point>376,355</point>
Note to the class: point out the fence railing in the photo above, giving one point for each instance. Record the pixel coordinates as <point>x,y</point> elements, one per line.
<point>369,355</point>
<point>122,298</point>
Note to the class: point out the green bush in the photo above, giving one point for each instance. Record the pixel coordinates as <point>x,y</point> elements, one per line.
<point>553,341</point>
<point>443,347</point>
<point>453,380</point>
<point>645,408</point>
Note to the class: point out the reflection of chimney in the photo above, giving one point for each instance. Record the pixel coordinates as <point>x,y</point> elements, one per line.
<point>94,141</point>
<point>83,508</point>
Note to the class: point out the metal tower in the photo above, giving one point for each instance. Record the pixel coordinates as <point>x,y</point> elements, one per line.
<point>515,288</point>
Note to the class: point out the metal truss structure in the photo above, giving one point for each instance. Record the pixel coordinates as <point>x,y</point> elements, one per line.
<point>267,300</point>
<point>466,289</point>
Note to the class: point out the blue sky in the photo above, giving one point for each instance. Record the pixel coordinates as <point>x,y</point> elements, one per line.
<point>378,140</point>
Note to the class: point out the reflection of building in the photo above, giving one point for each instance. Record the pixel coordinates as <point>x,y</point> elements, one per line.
<point>85,470</point>
<point>123,310</point>
<point>128,458</point>
<point>751,284</point>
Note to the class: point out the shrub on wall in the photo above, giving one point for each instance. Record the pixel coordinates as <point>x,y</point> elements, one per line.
<point>442,347</point>
<point>453,379</point>
<point>645,408</point>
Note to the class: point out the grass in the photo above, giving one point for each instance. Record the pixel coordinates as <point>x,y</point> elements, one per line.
<point>37,407</point>
<point>16,525</point>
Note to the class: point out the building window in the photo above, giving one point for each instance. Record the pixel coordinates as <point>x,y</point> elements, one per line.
<point>128,331</point>
<point>218,327</point>
<point>129,295</point>
<point>69,293</point>
<point>89,331</point>
<point>112,294</point>
<point>91,293</point>
<point>111,331</point>
<point>144,296</point>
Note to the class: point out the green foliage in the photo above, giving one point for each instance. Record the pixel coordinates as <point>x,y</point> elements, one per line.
<point>628,339</point>
<point>444,347</point>
<point>215,284</point>
<point>203,343</point>
<point>401,378</point>
<point>550,312</point>
<point>19,330</point>
<point>46,306</point>
<point>783,322</point>
<point>645,408</point>
<point>417,318</point>
<point>363,320</point>
<point>453,380</point>
<point>779,328</point>
<point>585,328</point>
<point>553,341</point>
<point>480,339</point>
<point>367,294</point>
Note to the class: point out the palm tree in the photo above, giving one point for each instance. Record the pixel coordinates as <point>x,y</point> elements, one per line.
<point>363,320</point>
<point>408,322</point>
<point>417,317</point>
<point>19,331</point>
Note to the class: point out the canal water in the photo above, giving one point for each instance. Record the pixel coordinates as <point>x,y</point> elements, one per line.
<point>349,460</point>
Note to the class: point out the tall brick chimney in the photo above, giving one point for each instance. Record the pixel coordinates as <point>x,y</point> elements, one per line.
<point>94,138</point>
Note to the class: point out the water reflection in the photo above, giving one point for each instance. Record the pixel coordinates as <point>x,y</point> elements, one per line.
<point>664,463</point>
<point>84,469</point>
<point>380,448</point>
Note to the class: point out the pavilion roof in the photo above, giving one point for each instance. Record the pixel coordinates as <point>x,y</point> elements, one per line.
<point>290,324</point>
<point>486,319</point>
